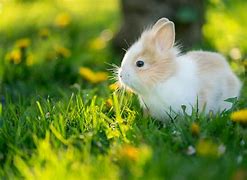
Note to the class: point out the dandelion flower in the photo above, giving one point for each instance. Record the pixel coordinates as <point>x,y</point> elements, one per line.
<point>101,76</point>
<point>23,43</point>
<point>44,33</point>
<point>63,52</point>
<point>139,155</point>
<point>129,152</point>
<point>207,148</point>
<point>93,77</point>
<point>114,86</point>
<point>14,56</point>
<point>109,102</point>
<point>62,20</point>
<point>195,128</point>
<point>97,43</point>
<point>239,116</point>
<point>87,73</point>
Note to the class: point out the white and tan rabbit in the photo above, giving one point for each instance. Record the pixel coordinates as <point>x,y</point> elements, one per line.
<point>165,80</point>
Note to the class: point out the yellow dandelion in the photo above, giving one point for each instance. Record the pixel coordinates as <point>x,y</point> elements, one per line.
<point>207,148</point>
<point>115,86</point>
<point>139,155</point>
<point>195,128</point>
<point>101,76</point>
<point>62,20</point>
<point>14,56</point>
<point>87,73</point>
<point>129,152</point>
<point>63,52</point>
<point>44,33</point>
<point>23,43</point>
<point>239,116</point>
<point>97,44</point>
<point>93,77</point>
<point>109,102</point>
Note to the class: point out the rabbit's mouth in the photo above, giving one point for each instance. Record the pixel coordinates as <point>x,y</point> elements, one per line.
<point>128,80</point>
<point>123,78</point>
<point>126,83</point>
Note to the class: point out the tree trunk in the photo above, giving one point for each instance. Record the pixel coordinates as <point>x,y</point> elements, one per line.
<point>140,14</point>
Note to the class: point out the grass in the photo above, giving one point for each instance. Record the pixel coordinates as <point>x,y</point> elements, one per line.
<point>57,124</point>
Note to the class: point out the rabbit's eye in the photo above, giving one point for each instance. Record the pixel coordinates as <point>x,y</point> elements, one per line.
<point>139,63</point>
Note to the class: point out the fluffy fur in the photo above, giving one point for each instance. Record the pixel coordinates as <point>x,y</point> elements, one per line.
<point>169,80</point>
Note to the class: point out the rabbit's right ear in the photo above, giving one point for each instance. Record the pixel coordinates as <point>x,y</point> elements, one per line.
<point>164,37</point>
<point>159,23</point>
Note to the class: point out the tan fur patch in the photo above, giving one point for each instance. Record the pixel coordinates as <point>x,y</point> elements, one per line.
<point>208,62</point>
<point>161,66</point>
<point>159,71</point>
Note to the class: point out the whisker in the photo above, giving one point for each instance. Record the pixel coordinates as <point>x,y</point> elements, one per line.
<point>115,71</point>
<point>113,78</point>
<point>113,66</point>
<point>126,43</point>
<point>125,50</point>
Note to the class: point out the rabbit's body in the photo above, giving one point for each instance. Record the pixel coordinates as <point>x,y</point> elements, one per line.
<point>217,81</point>
<point>193,85</point>
<point>164,80</point>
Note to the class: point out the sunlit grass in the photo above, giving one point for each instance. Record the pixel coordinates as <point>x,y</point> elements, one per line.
<point>77,135</point>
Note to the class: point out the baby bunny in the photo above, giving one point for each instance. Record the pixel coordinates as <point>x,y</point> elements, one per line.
<point>164,80</point>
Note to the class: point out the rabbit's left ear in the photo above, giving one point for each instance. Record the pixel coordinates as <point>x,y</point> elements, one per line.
<point>159,23</point>
<point>164,37</point>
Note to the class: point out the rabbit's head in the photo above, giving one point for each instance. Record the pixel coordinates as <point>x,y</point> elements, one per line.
<point>151,59</point>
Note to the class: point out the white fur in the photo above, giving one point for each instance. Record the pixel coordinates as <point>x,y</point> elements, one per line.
<point>181,89</point>
<point>165,99</point>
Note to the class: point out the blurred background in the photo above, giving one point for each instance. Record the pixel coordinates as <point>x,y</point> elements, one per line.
<point>46,45</point>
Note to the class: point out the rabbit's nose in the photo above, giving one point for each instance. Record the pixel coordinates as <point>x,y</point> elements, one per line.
<point>120,73</point>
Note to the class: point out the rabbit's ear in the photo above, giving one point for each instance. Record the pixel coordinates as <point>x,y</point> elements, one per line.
<point>164,37</point>
<point>159,23</point>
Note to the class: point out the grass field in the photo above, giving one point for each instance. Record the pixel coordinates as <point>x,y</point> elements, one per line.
<point>60,117</point>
